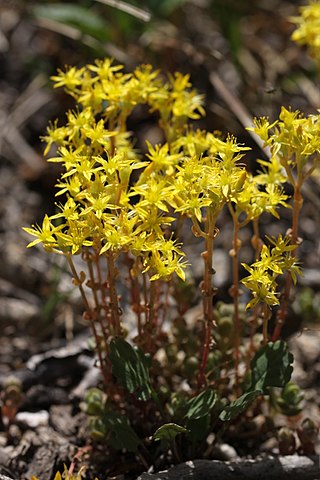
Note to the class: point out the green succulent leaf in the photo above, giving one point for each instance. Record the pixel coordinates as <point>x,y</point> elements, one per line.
<point>201,405</point>
<point>97,428</point>
<point>239,405</point>
<point>121,433</point>
<point>131,367</point>
<point>290,400</point>
<point>292,394</point>
<point>94,401</point>
<point>168,432</point>
<point>271,366</point>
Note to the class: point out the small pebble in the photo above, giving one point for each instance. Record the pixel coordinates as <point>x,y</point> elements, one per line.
<point>228,451</point>
<point>33,420</point>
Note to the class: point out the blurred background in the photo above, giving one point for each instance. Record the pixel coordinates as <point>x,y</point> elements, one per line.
<point>238,53</point>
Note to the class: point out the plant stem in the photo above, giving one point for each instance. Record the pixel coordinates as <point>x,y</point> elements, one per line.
<point>114,304</point>
<point>77,281</point>
<point>256,239</point>
<point>266,313</point>
<point>150,324</point>
<point>207,292</point>
<point>234,291</point>
<point>135,291</point>
<point>175,450</point>
<point>151,305</point>
<point>145,299</point>
<point>88,259</point>
<point>94,286</point>
<point>89,315</point>
<point>102,286</point>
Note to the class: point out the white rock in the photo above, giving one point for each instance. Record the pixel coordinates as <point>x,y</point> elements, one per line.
<point>33,419</point>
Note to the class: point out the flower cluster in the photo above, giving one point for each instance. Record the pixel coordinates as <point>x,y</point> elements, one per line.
<point>262,281</point>
<point>105,209</point>
<point>308,28</point>
<point>294,142</point>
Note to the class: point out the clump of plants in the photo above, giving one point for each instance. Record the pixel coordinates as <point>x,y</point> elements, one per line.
<point>119,224</point>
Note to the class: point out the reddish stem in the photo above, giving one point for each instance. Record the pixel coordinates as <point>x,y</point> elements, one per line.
<point>90,315</point>
<point>235,292</point>
<point>135,292</point>
<point>207,291</point>
<point>114,304</point>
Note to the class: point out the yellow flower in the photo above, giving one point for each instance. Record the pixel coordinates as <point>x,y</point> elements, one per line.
<point>77,236</point>
<point>45,234</point>
<point>156,192</point>
<point>55,135</point>
<point>68,211</point>
<point>161,159</point>
<point>262,126</point>
<point>70,79</point>
<point>97,205</point>
<point>263,273</point>
<point>308,28</point>
<point>104,69</point>
<point>164,259</point>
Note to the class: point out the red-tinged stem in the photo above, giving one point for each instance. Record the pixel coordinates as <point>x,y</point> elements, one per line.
<point>102,360</point>
<point>102,286</point>
<point>235,292</point>
<point>135,292</point>
<point>145,296</point>
<point>88,259</point>
<point>150,325</point>
<point>114,304</point>
<point>151,305</point>
<point>78,281</point>
<point>266,317</point>
<point>90,315</point>
<point>205,354</point>
<point>207,292</point>
<point>103,304</point>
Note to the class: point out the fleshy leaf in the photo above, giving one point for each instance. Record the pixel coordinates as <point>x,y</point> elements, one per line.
<point>271,366</point>
<point>168,432</point>
<point>238,406</point>
<point>201,405</point>
<point>94,401</point>
<point>122,434</point>
<point>131,367</point>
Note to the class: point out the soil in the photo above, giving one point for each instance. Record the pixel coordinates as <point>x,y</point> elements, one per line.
<point>46,365</point>
<point>50,429</point>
